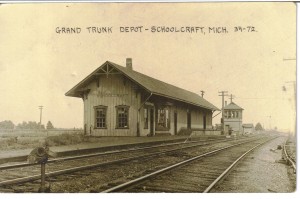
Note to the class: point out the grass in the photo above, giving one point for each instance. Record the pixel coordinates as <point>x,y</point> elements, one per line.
<point>20,142</point>
<point>65,139</point>
<point>25,142</point>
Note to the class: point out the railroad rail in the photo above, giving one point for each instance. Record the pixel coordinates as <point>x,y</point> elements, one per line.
<point>175,183</point>
<point>287,154</point>
<point>204,142</point>
<point>107,169</point>
<point>101,164</point>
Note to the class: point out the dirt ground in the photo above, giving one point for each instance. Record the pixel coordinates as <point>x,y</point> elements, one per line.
<point>262,171</point>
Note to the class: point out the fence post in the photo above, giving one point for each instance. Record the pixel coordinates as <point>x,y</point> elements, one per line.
<point>43,177</point>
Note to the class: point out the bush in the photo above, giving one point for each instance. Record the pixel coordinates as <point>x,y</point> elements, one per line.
<point>29,140</point>
<point>64,139</point>
<point>5,142</point>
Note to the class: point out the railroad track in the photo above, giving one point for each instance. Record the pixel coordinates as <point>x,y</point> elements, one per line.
<point>289,151</point>
<point>197,174</point>
<point>30,183</point>
<point>114,152</point>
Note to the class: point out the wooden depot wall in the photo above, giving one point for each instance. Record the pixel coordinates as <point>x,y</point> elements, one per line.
<point>235,123</point>
<point>115,90</point>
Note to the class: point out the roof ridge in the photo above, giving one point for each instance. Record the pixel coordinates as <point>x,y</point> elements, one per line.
<point>156,79</point>
<point>232,105</point>
<point>161,81</point>
<point>153,85</point>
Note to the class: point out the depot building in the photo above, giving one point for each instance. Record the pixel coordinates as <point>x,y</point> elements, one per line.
<point>119,101</point>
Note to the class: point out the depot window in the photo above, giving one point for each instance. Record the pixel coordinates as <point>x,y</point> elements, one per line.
<point>226,114</point>
<point>163,118</point>
<point>145,118</point>
<point>100,116</point>
<point>122,116</point>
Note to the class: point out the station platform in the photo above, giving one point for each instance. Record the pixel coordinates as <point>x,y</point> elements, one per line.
<point>102,144</point>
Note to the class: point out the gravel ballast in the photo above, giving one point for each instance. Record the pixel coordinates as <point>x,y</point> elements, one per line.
<point>261,171</point>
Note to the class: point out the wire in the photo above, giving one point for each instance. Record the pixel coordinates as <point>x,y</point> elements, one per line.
<point>274,98</point>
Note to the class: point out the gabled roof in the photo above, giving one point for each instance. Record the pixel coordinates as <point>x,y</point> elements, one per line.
<point>232,106</point>
<point>156,87</point>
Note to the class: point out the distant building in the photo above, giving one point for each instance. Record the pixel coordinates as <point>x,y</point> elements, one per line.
<point>248,128</point>
<point>119,101</point>
<point>233,118</point>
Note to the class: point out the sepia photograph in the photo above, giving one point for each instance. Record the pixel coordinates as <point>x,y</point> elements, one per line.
<point>148,97</point>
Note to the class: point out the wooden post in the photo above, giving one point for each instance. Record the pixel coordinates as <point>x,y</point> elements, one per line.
<point>43,177</point>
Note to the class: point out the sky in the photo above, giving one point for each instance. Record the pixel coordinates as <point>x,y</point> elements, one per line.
<point>38,65</point>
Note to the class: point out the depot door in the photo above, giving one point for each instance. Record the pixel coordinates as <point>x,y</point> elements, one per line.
<point>204,122</point>
<point>175,123</point>
<point>151,122</point>
<point>189,120</point>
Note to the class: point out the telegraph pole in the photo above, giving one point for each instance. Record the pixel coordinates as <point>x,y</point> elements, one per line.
<point>295,94</point>
<point>231,97</point>
<point>41,110</point>
<point>202,93</point>
<point>223,94</point>
<point>295,101</point>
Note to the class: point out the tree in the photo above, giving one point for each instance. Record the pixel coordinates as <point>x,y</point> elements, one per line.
<point>7,124</point>
<point>22,125</point>
<point>50,125</point>
<point>30,125</point>
<point>258,127</point>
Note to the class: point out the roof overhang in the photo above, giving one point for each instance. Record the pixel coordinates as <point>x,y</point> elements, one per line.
<point>187,102</point>
<point>78,89</point>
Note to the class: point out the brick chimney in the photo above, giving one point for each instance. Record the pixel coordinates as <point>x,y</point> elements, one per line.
<point>129,63</point>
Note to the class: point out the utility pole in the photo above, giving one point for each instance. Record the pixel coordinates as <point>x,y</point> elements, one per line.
<point>41,110</point>
<point>231,97</point>
<point>295,94</point>
<point>295,100</point>
<point>223,94</point>
<point>202,93</point>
